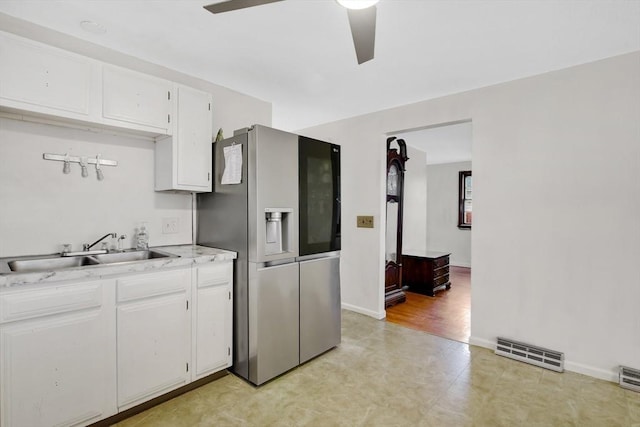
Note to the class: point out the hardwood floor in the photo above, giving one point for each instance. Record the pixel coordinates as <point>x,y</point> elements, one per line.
<point>445,315</point>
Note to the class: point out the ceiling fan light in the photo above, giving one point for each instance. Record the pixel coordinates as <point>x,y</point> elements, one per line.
<point>357,4</point>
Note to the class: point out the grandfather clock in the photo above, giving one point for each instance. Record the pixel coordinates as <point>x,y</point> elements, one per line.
<point>396,159</point>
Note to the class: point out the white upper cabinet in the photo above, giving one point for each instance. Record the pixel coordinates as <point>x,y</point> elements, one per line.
<point>43,79</point>
<point>183,161</point>
<point>51,84</point>
<point>138,100</point>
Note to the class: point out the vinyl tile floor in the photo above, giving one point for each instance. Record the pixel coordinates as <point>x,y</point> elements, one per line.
<point>383,374</point>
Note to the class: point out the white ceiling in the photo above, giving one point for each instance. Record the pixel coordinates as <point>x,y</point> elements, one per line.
<point>442,144</point>
<point>298,54</point>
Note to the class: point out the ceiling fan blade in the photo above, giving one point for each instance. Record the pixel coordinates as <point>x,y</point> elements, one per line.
<point>229,5</point>
<point>363,31</point>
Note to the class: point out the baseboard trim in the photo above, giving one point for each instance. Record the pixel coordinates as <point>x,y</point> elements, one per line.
<point>591,371</point>
<point>366,312</point>
<point>579,368</point>
<point>107,422</point>
<point>460,264</point>
<point>481,342</point>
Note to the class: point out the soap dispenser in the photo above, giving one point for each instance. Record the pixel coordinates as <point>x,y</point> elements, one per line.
<point>142,238</point>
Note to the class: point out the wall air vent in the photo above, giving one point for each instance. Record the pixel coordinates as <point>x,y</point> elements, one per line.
<point>533,355</point>
<point>630,378</point>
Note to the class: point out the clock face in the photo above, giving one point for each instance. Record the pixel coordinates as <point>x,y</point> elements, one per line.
<point>392,181</point>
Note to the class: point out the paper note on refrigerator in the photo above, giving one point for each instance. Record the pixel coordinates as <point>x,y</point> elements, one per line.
<point>232,164</point>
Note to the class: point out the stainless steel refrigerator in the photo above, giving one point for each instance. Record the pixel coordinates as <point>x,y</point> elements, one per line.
<point>286,308</point>
<point>319,246</point>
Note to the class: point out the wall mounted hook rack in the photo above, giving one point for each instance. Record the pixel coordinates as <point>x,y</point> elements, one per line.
<point>77,159</point>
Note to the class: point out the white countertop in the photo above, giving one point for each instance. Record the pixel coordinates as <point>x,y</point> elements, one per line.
<point>186,255</point>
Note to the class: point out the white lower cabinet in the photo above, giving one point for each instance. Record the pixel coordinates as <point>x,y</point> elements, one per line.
<point>154,328</point>
<point>57,364</point>
<point>74,353</point>
<point>212,319</point>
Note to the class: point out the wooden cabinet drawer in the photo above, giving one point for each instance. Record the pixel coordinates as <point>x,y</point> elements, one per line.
<point>441,271</point>
<point>217,273</point>
<point>440,262</point>
<point>439,281</point>
<point>153,284</point>
<point>51,300</point>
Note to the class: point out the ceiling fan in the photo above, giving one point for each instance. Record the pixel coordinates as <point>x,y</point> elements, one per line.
<point>362,19</point>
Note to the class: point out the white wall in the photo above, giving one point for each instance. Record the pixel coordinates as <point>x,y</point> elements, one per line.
<point>40,207</point>
<point>414,236</point>
<point>555,240</point>
<point>443,234</point>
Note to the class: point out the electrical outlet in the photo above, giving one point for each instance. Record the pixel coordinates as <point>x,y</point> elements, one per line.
<point>365,221</point>
<point>169,225</point>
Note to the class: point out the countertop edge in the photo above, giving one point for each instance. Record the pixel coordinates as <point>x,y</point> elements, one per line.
<point>186,255</point>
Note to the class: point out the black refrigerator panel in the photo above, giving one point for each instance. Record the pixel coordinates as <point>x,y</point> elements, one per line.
<point>319,190</point>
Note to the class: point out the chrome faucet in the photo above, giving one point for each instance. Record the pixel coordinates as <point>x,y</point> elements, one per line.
<point>87,247</point>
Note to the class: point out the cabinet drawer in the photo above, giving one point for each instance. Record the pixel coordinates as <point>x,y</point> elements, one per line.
<point>53,300</point>
<point>441,271</point>
<point>154,284</point>
<point>439,281</point>
<point>439,262</point>
<point>217,273</point>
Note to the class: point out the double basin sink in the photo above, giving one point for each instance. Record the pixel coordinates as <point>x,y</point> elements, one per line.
<point>52,262</point>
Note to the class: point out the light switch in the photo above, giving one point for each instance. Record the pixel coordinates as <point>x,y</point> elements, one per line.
<point>365,221</point>
<point>169,225</point>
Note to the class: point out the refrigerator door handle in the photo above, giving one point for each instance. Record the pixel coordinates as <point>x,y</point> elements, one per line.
<point>334,254</point>
<point>275,263</point>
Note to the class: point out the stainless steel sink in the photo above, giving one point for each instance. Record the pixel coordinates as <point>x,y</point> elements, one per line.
<point>51,262</point>
<point>44,264</point>
<point>115,257</point>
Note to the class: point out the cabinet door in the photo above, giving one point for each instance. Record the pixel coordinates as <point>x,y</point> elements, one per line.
<point>57,369</point>
<point>40,78</point>
<point>194,132</point>
<point>153,347</point>
<point>213,329</point>
<point>136,100</point>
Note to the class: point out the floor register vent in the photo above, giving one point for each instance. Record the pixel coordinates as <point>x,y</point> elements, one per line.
<point>630,378</point>
<point>528,353</point>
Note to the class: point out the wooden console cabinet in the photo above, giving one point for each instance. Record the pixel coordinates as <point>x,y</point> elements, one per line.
<point>426,272</point>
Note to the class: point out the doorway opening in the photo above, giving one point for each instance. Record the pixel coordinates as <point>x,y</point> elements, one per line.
<point>436,249</point>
